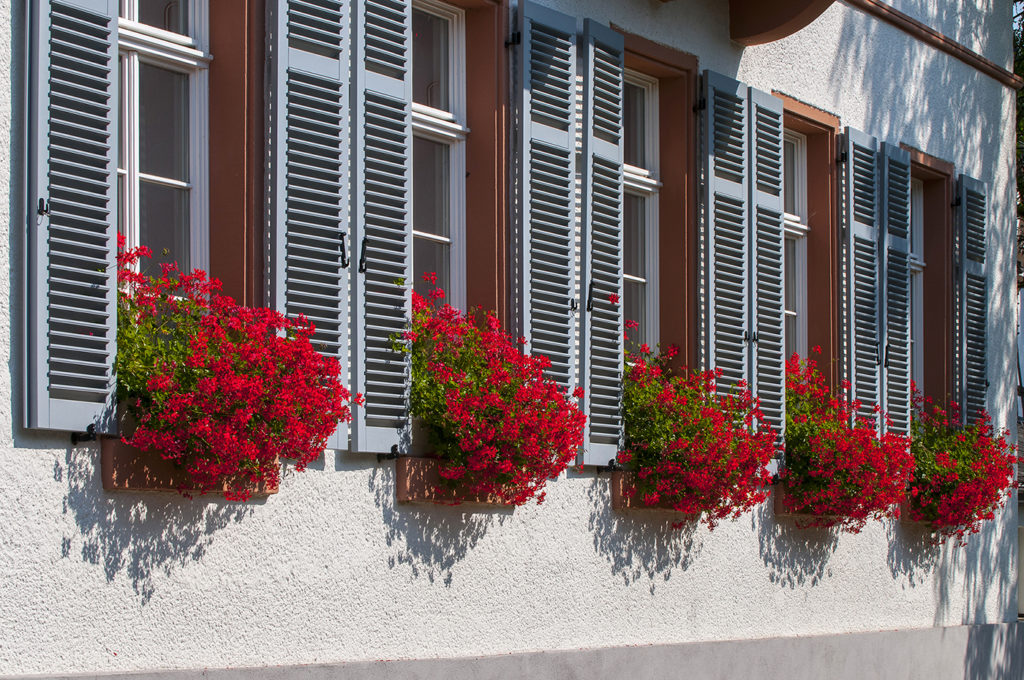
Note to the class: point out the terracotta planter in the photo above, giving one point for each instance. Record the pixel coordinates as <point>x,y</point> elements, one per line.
<point>126,468</point>
<point>625,498</point>
<point>905,518</point>
<point>779,506</point>
<point>417,481</point>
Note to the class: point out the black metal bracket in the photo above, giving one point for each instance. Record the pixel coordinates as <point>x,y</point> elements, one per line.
<point>590,297</point>
<point>344,252</point>
<point>514,39</point>
<point>88,436</point>
<point>573,305</point>
<point>701,104</point>
<point>44,207</point>
<point>362,257</point>
<point>842,158</point>
<point>381,457</point>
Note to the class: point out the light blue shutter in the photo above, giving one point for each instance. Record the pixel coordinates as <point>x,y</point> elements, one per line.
<point>381,220</point>
<point>545,202</point>
<point>72,215</point>
<point>601,344</point>
<point>895,235</point>
<point>863,341</point>
<point>768,378</point>
<point>972,296</point>
<point>308,168</point>
<point>726,234</point>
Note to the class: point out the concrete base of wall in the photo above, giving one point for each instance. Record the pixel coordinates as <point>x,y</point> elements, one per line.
<point>982,652</point>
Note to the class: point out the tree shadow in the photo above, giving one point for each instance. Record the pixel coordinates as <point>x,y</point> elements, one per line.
<point>640,545</point>
<point>429,539</point>
<point>913,553</point>
<point>137,534</point>
<point>995,652</point>
<point>795,556</point>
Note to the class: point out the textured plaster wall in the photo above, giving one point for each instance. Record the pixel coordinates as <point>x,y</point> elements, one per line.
<point>331,570</point>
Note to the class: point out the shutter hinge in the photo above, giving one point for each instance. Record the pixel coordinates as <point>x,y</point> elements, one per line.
<point>842,157</point>
<point>44,207</point>
<point>362,257</point>
<point>957,202</point>
<point>88,436</point>
<point>514,39</point>
<point>344,252</point>
<point>701,104</point>
<point>590,297</point>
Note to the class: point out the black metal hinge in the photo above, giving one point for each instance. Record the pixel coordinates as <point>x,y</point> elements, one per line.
<point>842,158</point>
<point>701,104</point>
<point>514,39</point>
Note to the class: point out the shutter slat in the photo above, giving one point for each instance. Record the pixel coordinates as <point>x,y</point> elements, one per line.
<point>308,165</point>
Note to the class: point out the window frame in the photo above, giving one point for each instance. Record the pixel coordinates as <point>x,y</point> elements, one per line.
<point>643,182</point>
<point>189,55</point>
<point>917,269</point>
<point>449,128</point>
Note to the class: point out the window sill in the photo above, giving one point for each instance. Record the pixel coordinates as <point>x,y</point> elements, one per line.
<point>417,481</point>
<point>126,468</point>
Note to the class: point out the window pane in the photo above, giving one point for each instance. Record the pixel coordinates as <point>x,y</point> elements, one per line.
<point>163,224</point>
<point>430,187</point>
<point>430,60</point>
<point>634,236</point>
<point>635,309</point>
<point>163,122</point>
<point>634,124</point>
<point>170,15</point>
<point>789,179</point>
<point>430,256</point>
<point>790,264</point>
<point>791,345</point>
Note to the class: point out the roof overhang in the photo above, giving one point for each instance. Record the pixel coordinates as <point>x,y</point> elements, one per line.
<point>753,22</point>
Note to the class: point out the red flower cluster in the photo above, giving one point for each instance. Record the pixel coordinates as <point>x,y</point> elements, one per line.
<point>702,452</point>
<point>221,389</point>
<point>498,426</point>
<point>838,469</point>
<point>963,474</point>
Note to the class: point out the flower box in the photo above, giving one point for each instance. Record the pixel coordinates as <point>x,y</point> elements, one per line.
<point>905,518</point>
<point>126,468</point>
<point>625,497</point>
<point>779,507</point>
<point>417,481</point>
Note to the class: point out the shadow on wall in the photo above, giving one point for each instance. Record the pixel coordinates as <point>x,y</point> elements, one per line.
<point>639,545</point>
<point>994,653</point>
<point>913,553</point>
<point>430,540</point>
<point>795,557</point>
<point>138,535</point>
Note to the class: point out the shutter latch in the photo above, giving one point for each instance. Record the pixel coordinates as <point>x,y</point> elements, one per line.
<point>362,257</point>
<point>44,207</point>
<point>590,297</point>
<point>746,336</point>
<point>573,305</point>
<point>514,39</point>
<point>885,363</point>
<point>344,252</point>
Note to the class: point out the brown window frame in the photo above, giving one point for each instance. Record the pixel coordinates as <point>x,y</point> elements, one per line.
<point>821,129</point>
<point>677,74</point>
<point>937,176</point>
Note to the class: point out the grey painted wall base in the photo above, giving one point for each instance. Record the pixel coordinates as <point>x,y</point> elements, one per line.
<point>957,653</point>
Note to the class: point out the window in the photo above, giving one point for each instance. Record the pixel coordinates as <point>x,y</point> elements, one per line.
<point>795,204</point>
<point>162,153</point>
<point>917,265</point>
<point>640,224</point>
<point>439,148</point>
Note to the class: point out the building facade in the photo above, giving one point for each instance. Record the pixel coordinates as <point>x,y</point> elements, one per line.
<point>839,175</point>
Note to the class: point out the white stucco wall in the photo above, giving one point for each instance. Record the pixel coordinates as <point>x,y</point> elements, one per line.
<point>331,569</point>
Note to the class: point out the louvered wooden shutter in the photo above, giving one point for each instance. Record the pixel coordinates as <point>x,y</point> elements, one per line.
<point>308,169</point>
<point>72,215</point>
<point>863,342</point>
<point>726,232</point>
<point>601,344</point>
<point>972,296</point>
<point>895,236</point>
<point>546,203</point>
<point>381,219</point>
<point>768,378</point>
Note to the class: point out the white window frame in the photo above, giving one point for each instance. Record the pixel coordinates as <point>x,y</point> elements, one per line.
<point>917,266</point>
<point>643,182</point>
<point>449,127</point>
<point>140,43</point>
<point>796,230</point>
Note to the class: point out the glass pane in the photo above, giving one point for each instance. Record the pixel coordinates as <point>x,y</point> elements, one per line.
<point>120,205</point>
<point>170,15</point>
<point>790,264</point>
<point>163,122</point>
<point>430,60</point>
<point>790,335</point>
<point>633,237</point>
<point>122,112</point>
<point>635,309</point>
<point>634,124</point>
<point>430,256</point>
<point>163,225</point>
<point>789,179</point>
<point>430,192</point>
